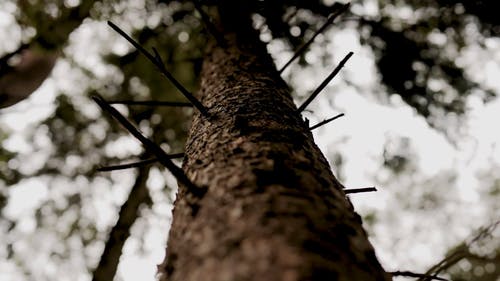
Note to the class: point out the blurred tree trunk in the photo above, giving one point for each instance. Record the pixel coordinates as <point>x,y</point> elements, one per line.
<point>270,209</point>
<point>120,232</point>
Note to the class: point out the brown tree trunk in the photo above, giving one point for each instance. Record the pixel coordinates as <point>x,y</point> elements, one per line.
<point>270,209</point>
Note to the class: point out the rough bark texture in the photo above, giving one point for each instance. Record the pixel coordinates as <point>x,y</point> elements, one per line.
<point>270,209</point>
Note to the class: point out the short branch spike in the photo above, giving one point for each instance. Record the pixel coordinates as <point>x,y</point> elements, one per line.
<point>302,48</point>
<point>157,56</point>
<point>152,103</point>
<point>152,147</point>
<point>156,60</point>
<point>325,82</point>
<point>416,275</point>
<point>359,190</point>
<point>137,164</point>
<point>128,165</point>
<point>326,121</point>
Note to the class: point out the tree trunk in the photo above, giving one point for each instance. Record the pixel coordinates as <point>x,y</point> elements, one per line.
<point>270,207</point>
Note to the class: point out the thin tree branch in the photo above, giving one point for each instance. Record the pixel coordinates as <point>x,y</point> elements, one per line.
<point>128,165</point>
<point>152,103</point>
<point>110,257</point>
<point>460,252</point>
<point>291,15</point>
<point>150,146</point>
<point>136,164</point>
<point>158,62</point>
<point>209,24</point>
<point>359,190</point>
<point>302,48</point>
<point>325,82</point>
<point>326,121</point>
<point>446,263</point>
<point>416,275</point>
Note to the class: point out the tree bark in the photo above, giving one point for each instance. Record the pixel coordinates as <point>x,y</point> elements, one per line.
<point>270,209</point>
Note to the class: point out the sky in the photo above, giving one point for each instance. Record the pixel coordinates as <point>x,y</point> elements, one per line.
<point>367,127</point>
<point>360,137</point>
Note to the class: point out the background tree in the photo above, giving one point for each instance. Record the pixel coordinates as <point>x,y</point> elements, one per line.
<point>75,128</point>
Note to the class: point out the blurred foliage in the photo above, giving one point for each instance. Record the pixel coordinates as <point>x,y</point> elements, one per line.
<point>81,139</point>
<point>397,155</point>
<point>415,45</point>
<point>7,175</point>
<point>477,258</point>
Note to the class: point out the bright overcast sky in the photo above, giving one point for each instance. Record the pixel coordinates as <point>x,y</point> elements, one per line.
<point>359,137</point>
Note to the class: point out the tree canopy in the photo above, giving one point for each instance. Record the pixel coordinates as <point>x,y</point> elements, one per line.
<point>421,51</point>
